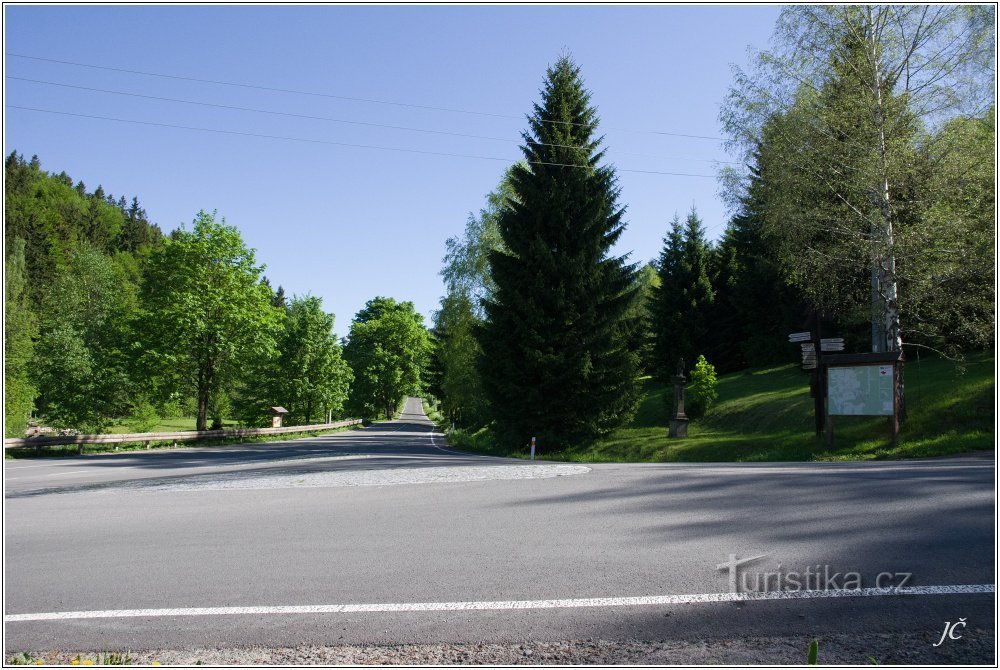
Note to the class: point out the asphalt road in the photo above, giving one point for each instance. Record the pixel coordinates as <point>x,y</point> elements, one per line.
<point>385,517</point>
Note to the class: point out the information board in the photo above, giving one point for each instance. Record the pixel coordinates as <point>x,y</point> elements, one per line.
<point>860,390</point>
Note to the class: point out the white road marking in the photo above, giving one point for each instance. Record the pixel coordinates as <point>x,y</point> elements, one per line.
<point>449,451</point>
<point>58,474</point>
<point>240,464</point>
<point>8,467</point>
<point>690,599</point>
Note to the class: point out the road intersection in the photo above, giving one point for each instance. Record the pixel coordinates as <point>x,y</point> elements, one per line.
<point>384,535</point>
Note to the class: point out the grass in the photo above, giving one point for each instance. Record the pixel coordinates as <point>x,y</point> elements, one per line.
<point>767,415</point>
<point>432,408</point>
<point>169,425</point>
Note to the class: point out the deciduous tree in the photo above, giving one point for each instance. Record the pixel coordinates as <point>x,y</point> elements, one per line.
<point>208,312</point>
<point>387,350</point>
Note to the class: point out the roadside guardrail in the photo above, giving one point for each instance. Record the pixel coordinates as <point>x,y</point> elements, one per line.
<point>180,436</point>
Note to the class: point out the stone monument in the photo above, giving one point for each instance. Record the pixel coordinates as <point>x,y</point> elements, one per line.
<point>679,420</point>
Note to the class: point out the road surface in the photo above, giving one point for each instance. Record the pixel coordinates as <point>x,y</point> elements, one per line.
<point>383,535</point>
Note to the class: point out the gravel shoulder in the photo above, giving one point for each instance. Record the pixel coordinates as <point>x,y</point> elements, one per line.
<point>976,647</point>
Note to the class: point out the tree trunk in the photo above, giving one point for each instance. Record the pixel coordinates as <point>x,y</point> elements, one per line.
<point>888,288</point>
<point>205,378</point>
<point>202,409</point>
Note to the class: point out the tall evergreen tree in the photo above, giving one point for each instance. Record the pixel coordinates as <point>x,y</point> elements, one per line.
<point>666,305</point>
<point>696,290</point>
<point>682,302</point>
<point>557,363</point>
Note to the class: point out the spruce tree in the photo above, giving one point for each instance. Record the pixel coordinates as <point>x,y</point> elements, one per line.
<point>556,360</point>
<point>666,305</point>
<point>683,300</point>
<point>697,289</point>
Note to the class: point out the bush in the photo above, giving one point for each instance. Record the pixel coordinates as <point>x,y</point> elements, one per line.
<point>702,391</point>
<point>219,408</point>
<point>143,418</point>
<point>173,408</point>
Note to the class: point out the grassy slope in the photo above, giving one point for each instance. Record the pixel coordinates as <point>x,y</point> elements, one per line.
<point>766,415</point>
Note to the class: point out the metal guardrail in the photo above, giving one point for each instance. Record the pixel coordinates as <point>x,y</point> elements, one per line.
<point>181,436</point>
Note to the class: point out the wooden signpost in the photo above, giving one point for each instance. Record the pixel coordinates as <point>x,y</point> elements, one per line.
<point>842,384</point>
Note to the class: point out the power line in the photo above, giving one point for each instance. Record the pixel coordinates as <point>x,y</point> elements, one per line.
<point>341,144</point>
<point>273,89</point>
<point>335,120</point>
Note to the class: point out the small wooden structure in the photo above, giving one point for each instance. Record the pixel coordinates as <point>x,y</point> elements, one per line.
<point>276,415</point>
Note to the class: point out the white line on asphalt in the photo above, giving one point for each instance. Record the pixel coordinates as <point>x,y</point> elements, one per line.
<point>690,599</point>
<point>10,468</point>
<point>447,451</point>
<point>58,474</point>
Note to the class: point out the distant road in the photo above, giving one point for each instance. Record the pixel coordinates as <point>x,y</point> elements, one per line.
<point>386,535</point>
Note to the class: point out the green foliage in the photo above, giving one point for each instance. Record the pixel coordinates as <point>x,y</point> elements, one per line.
<point>387,350</point>
<point>681,305</point>
<point>813,655</point>
<point>452,371</point>
<point>755,306</point>
<point>53,218</point>
<point>144,417</point>
<point>73,261</point>
<point>703,389</point>
<point>318,376</point>
<point>647,281</point>
<point>85,352</point>
<point>20,328</point>
<point>24,658</point>
<point>870,192</point>
<point>114,658</point>
<point>208,313</point>
<point>948,266</point>
<point>219,407</point>
<point>466,262</point>
<point>556,362</point>
<point>457,350</point>
<point>106,658</point>
<point>308,376</point>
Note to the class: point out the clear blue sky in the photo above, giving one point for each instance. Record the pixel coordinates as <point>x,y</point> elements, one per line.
<point>344,223</point>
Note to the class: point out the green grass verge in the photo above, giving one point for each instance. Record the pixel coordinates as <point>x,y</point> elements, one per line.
<point>73,450</point>
<point>767,415</point>
<point>432,408</point>
<point>169,425</point>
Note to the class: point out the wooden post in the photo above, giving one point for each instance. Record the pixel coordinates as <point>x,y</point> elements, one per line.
<point>819,397</point>
<point>895,418</point>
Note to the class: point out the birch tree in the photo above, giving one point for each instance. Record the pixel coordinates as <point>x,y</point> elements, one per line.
<point>834,116</point>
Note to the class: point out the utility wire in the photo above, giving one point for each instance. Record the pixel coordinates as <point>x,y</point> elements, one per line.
<point>341,144</point>
<point>334,120</point>
<point>331,95</point>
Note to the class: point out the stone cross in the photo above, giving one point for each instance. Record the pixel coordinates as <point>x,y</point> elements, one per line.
<point>679,421</point>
